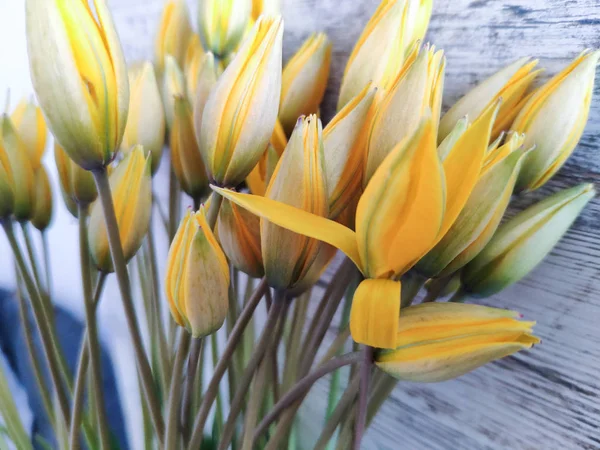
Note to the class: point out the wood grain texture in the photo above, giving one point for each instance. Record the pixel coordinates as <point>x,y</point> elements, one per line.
<point>549,397</point>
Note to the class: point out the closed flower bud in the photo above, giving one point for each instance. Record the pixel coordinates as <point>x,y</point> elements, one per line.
<point>173,87</point>
<point>222,24</point>
<point>23,181</point>
<point>131,187</point>
<point>197,279</point>
<point>31,127</point>
<point>524,241</point>
<point>79,76</point>
<point>173,35</point>
<point>417,91</point>
<point>304,80</point>
<point>510,84</point>
<point>379,53</point>
<point>42,212</point>
<point>479,219</point>
<point>239,235</point>
<point>76,184</point>
<point>7,198</point>
<point>241,110</point>
<point>185,155</point>
<point>299,181</point>
<point>343,141</point>
<point>206,78</point>
<point>440,341</point>
<point>146,122</point>
<point>553,120</point>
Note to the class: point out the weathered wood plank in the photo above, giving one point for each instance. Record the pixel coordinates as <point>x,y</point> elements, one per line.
<point>547,398</point>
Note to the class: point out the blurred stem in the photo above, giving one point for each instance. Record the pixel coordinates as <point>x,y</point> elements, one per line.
<point>32,257</point>
<point>459,296</point>
<point>42,323</point>
<point>213,209</point>
<point>299,391</point>
<point>120,267</point>
<point>435,288</point>
<point>190,385</point>
<point>92,334</point>
<point>172,430</point>
<point>221,367</point>
<point>363,396</point>
<point>48,268</point>
<point>380,394</point>
<point>252,410</point>
<point>218,424</point>
<point>412,283</point>
<point>173,204</point>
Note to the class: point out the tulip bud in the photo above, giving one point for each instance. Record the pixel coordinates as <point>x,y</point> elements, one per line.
<point>173,35</point>
<point>222,24</point>
<point>185,155</point>
<point>7,198</point>
<point>343,140</point>
<point>206,78</point>
<point>509,83</point>
<point>440,341</point>
<point>131,187</point>
<point>478,220</point>
<point>524,241</point>
<point>379,53</point>
<point>31,127</point>
<point>79,76</point>
<point>241,110</point>
<point>553,120</point>
<point>197,279</point>
<point>417,91</point>
<point>239,235</point>
<point>42,212</point>
<point>23,182</point>
<point>77,184</point>
<point>304,80</point>
<point>299,180</point>
<point>146,122</point>
<point>452,138</point>
<point>173,86</point>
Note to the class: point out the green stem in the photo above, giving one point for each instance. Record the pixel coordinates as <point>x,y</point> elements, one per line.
<point>42,324</point>
<point>213,209</point>
<point>459,296</point>
<point>92,330</point>
<point>192,368</point>
<point>435,289</point>
<point>48,268</point>
<point>120,267</point>
<point>363,396</point>
<point>31,254</point>
<point>254,403</point>
<point>172,430</point>
<point>380,394</point>
<point>412,283</point>
<point>218,424</point>
<point>173,204</point>
<point>221,367</point>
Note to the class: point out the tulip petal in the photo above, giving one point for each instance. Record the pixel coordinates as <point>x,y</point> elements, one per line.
<point>298,221</point>
<point>375,313</point>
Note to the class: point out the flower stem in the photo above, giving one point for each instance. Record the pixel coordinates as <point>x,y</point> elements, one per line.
<point>92,331</point>
<point>363,395</point>
<point>459,296</point>
<point>173,204</point>
<point>301,388</point>
<point>221,367</point>
<point>213,209</point>
<point>120,266</point>
<point>48,268</point>
<point>195,351</point>
<point>172,430</point>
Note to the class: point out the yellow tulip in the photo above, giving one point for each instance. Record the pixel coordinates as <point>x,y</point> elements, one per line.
<point>206,77</point>
<point>79,76</point>
<point>299,181</point>
<point>510,84</point>
<point>304,80</point>
<point>239,235</point>
<point>21,171</point>
<point>379,53</point>
<point>409,204</point>
<point>344,138</point>
<point>173,87</point>
<point>197,279</point>
<point>185,155</point>
<point>200,66</point>
<point>440,341</point>
<point>553,120</point>
<point>265,7</point>
<point>222,24</point>
<point>77,184</point>
<point>31,126</point>
<point>131,187</point>
<point>42,212</point>
<point>146,122</point>
<point>241,110</point>
<point>417,91</point>
<point>7,197</point>
<point>174,33</point>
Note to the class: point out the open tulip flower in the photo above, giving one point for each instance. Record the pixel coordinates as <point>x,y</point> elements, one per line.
<point>409,204</point>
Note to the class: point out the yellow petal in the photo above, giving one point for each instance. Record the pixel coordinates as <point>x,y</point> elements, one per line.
<point>298,221</point>
<point>375,313</point>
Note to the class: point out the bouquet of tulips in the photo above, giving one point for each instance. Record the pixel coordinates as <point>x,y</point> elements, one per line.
<point>413,198</point>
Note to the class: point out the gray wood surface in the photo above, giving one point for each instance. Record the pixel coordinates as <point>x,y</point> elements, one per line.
<point>547,398</point>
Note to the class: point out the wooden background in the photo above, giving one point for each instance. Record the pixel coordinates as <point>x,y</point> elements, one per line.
<point>547,398</point>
